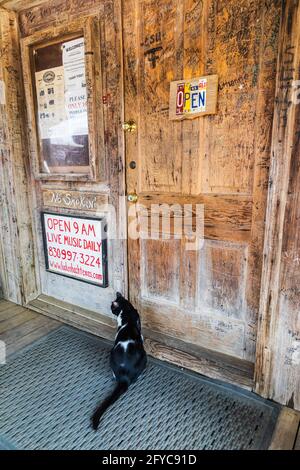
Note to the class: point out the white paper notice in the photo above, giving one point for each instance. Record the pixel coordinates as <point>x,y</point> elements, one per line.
<point>75,86</point>
<point>50,97</point>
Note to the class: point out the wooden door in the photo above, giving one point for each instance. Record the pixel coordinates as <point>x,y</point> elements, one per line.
<point>208,297</point>
<point>90,191</point>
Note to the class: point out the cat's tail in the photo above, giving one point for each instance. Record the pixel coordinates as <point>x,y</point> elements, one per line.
<point>121,388</point>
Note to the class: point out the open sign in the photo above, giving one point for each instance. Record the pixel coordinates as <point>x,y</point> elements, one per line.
<point>191,98</point>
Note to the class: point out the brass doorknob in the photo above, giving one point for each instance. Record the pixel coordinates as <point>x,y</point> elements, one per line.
<point>132,197</point>
<point>129,126</point>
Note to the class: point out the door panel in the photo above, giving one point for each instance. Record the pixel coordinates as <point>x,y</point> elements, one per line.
<point>97,196</point>
<point>210,296</point>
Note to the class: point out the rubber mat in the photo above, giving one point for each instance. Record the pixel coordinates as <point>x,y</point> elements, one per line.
<point>50,389</point>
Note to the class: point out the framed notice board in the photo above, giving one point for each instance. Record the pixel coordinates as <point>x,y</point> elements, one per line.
<point>62,79</point>
<point>61,106</point>
<point>76,247</point>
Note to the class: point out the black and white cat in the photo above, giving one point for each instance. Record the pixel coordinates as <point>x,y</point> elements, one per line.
<point>128,358</point>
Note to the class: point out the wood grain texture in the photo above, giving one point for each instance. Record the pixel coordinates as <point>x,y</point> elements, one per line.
<point>10,311</point>
<point>220,161</point>
<point>188,361</point>
<point>50,13</point>
<point>17,276</point>
<point>75,200</point>
<point>101,22</point>
<point>286,429</point>
<point>268,48</point>
<point>226,218</point>
<point>21,327</point>
<point>278,350</point>
<point>16,320</point>
<point>6,306</point>
<point>297,442</point>
<point>222,278</point>
<point>18,5</point>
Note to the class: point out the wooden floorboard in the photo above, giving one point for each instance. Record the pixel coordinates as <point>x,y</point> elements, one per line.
<point>16,320</point>
<point>5,306</point>
<point>34,335</point>
<point>19,326</point>
<point>11,312</point>
<point>287,427</point>
<point>297,442</point>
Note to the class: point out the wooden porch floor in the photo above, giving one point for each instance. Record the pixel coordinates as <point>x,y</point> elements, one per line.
<point>20,326</point>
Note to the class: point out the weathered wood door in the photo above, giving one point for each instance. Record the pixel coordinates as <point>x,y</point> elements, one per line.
<point>83,187</point>
<point>210,296</point>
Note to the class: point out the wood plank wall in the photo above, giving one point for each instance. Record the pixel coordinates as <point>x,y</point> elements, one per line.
<point>17,275</point>
<point>278,349</point>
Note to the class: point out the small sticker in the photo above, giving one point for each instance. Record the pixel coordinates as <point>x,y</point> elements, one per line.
<point>2,92</point>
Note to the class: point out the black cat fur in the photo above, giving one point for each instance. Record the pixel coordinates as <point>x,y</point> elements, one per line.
<point>128,358</point>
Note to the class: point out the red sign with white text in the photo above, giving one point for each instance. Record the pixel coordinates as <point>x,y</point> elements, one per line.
<point>75,247</point>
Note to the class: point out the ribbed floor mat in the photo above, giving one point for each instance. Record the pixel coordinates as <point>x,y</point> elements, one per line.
<point>49,391</point>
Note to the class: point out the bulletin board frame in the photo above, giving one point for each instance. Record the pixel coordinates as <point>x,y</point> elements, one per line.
<point>88,28</point>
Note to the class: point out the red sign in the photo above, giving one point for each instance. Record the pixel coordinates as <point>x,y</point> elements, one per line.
<point>76,247</point>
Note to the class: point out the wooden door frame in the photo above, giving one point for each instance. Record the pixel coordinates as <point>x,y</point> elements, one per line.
<point>286,125</point>
<point>16,263</point>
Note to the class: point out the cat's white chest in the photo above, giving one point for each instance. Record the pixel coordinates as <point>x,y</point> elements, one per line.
<point>124,344</point>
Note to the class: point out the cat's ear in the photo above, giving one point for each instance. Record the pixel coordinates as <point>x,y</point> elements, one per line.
<point>119,295</point>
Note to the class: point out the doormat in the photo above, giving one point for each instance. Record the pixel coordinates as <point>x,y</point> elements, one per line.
<point>50,389</point>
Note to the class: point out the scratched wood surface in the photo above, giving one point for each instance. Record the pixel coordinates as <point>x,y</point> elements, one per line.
<point>101,24</point>
<point>17,276</point>
<point>18,5</point>
<point>278,351</point>
<point>208,297</point>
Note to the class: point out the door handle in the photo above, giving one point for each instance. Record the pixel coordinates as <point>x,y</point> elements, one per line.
<point>132,197</point>
<point>129,126</point>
